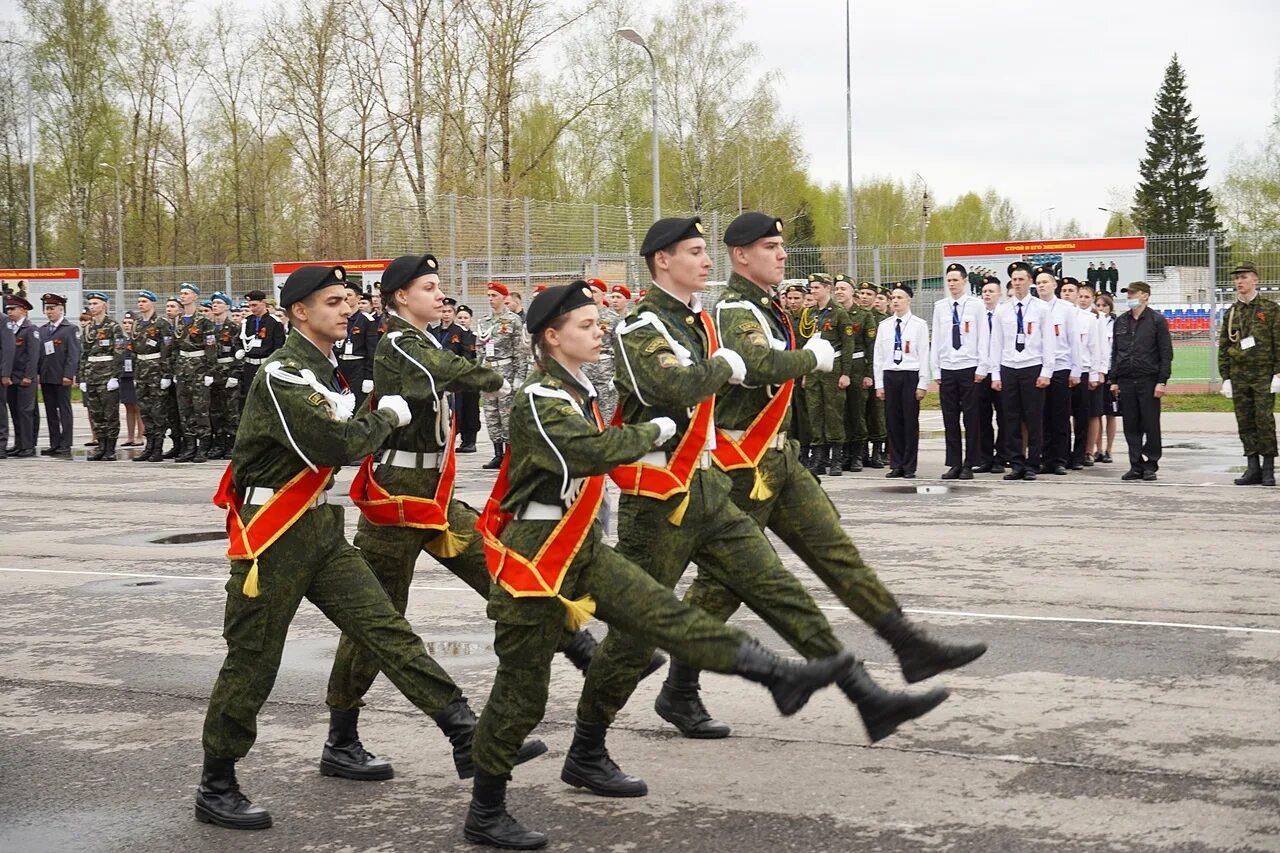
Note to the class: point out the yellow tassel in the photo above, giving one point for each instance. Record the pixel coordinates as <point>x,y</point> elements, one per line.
<point>677,514</point>
<point>760,491</point>
<point>250,588</point>
<point>447,544</point>
<point>579,611</point>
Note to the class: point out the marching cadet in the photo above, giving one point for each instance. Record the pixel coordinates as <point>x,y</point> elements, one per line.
<point>1020,363</point>
<point>825,393</point>
<point>902,379</point>
<point>549,560</point>
<point>676,506</point>
<point>173,415</point>
<point>1060,333</point>
<point>989,401</point>
<point>957,325</point>
<point>151,348</point>
<point>1142,361</point>
<point>224,396</point>
<point>22,380</point>
<point>355,351</point>
<point>1249,363</point>
<point>101,365</point>
<point>600,372</point>
<point>59,360</point>
<point>7,347</point>
<point>194,366</point>
<point>793,297</point>
<point>260,336</point>
<point>862,343</point>
<point>502,339</point>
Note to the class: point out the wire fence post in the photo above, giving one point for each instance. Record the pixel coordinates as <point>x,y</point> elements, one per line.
<point>453,235</point>
<point>1213,310</point>
<point>465,285</point>
<point>875,265</point>
<point>226,278</point>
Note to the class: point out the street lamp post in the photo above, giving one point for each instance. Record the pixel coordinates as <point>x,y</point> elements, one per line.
<point>119,231</point>
<point>31,148</point>
<point>851,230</point>
<point>631,35</point>
<point>1042,213</point>
<point>926,205</point>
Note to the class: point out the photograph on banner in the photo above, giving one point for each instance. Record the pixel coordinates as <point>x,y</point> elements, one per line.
<point>38,282</point>
<point>366,273</point>
<point>1106,263</point>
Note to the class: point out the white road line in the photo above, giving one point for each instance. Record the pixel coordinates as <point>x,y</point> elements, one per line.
<point>963,614</point>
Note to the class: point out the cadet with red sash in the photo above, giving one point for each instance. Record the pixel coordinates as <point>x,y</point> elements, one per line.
<point>550,563</point>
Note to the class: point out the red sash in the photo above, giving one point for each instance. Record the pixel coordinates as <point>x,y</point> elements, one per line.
<point>385,509</point>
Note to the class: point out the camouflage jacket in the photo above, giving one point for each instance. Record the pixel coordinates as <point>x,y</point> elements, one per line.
<point>102,339</point>
<point>1259,320</point>
<point>152,337</point>
<point>609,320</point>
<point>195,333</point>
<point>862,339</point>
<point>227,336</point>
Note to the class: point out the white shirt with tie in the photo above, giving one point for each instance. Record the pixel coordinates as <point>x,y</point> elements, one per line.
<point>1065,338</point>
<point>1003,350</point>
<point>969,311</point>
<point>914,354</point>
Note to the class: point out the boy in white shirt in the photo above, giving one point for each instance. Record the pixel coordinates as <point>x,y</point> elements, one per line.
<point>902,379</point>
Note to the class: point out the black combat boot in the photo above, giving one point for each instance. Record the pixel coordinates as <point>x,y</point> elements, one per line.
<point>159,455</point>
<point>876,458</point>
<point>680,704</point>
<point>582,648</point>
<point>835,467</point>
<point>458,722</point>
<point>1252,474</point>
<point>920,655</point>
<point>344,755</point>
<point>107,450</point>
<point>188,450</point>
<point>496,462</point>
<point>883,711</point>
<point>98,453</point>
<point>468,444</point>
<point>488,821</point>
<point>589,766</point>
<point>852,458</point>
<point>228,445</point>
<point>1268,470</point>
<point>213,448</point>
<point>176,450</point>
<point>790,683</point>
<point>220,802</point>
<point>820,459</point>
<point>201,450</point>
<point>806,455</point>
<point>148,451</point>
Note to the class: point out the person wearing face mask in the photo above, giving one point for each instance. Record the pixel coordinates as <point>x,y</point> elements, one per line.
<point>1141,362</point>
<point>1249,363</point>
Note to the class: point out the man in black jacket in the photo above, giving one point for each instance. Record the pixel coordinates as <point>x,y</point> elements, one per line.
<point>1141,362</point>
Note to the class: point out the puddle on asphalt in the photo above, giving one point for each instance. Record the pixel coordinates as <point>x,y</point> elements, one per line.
<point>933,490</point>
<point>189,538</point>
<point>144,586</point>
<point>456,648</point>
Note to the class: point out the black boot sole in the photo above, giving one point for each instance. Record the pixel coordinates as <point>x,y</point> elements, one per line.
<point>791,697</point>
<point>475,836</point>
<point>205,815</point>
<point>353,771</point>
<point>571,776</point>
<point>921,672</point>
<point>906,711</point>
<point>690,731</point>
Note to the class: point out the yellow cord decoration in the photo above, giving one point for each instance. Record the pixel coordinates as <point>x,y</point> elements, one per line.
<point>760,490</point>
<point>677,515</point>
<point>808,323</point>
<point>447,544</point>
<point>579,611</point>
<point>250,588</point>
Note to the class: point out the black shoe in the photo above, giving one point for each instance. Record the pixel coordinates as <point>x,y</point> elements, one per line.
<point>909,475</point>
<point>344,755</point>
<point>1149,476</point>
<point>1016,474</point>
<point>920,655</point>
<point>883,711</point>
<point>1268,470</point>
<point>894,473</point>
<point>965,474</point>
<point>220,802</point>
<point>201,448</point>
<point>29,453</point>
<point>488,821</point>
<point>589,766</point>
<point>1253,474</point>
<point>1106,459</point>
<point>791,684</point>
<point>458,722</point>
<point>1136,475</point>
<point>984,468</point>
<point>188,450</point>
<point>467,447</point>
<point>1087,462</point>
<point>93,442</point>
<point>951,473</point>
<point>1058,469</point>
<point>680,704</point>
<point>49,451</point>
<point>4,454</point>
<point>1077,466</point>
<point>1029,475</point>
<point>496,462</point>
<point>61,451</point>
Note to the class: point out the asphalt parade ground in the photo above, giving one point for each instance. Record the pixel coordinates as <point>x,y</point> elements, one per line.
<point>1129,700</point>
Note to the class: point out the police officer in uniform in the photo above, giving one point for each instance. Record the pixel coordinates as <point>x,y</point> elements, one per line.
<point>101,365</point>
<point>151,348</point>
<point>59,360</point>
<point>501,338</point>
<point>194,366</point>
<point>260,335</point>
<point>23,378</point>
<point>1249,363</point>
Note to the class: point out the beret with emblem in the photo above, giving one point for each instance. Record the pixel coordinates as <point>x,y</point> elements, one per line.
<point>819,278</point>
<point>668,232</point>
<point>598,284</point>
<point>305,281</point>
<point>142,294</point>
<point>1019,265</point>
<point>451,302</point>
<point>497,287</point>
<point>219,296</point>
<point>186,285</point>
<point>957,268</point>
<point>97,294</point>
<point>59,299</point>
<point>555,301</point>
<point>621,289</point>
<point>750,227</point>
<point>405,269</point>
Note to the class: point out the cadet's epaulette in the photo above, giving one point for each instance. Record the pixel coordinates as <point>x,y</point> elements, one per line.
<point>552,382</point>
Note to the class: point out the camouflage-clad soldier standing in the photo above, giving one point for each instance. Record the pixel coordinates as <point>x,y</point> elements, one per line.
<point>172,414</point>
<point>862,345</point>
<point>224,394</point>
<point>601,372</point>
<point>877,304</point>
<point>151,347</point>
<point>793,303</point>
<point>101,365</point>
<point>825,392</point>
<point>1249,362</point>
<point>193,368</point>
<point>501,337</point>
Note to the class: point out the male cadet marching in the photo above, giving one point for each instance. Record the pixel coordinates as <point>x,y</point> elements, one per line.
<point>59,361</point>
<point>172,412</point>
<point>1249,363</point>
<point>101,365</point>
<point>989,401</point>
<point>1020,363</point>
<point>260,336</point>
<point>1064,343</point>
<point>151,348</point>
<point>501,336</point>
<point>355,351</point>
<point>861,343</point>
<point>601,372</point>
<point>22,380</point>
<point>194,365</point>
<point>957,328</point>
<point>825,392</point>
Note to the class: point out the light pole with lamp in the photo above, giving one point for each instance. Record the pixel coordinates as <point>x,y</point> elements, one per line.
<point>1042,213</point>
<point>631,35</point>
<point>119,233</point>
<point>31,149</point>
<point>851,230</point>
<point>926,205</point>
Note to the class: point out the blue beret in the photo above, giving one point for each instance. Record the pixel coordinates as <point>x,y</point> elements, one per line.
<point>97,294</point>
<point>221,297</point>
<point>186,285</point>
<point>148,294</point>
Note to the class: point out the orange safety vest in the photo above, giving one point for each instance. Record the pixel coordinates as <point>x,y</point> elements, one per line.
<point>282,509</point>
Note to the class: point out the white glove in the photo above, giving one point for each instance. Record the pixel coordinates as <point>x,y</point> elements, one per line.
<point>1275,384</point>
<point>208,381</point>
<point>1226,389</point>
<point>505,389</point>
<point>397,404</point>
<point>826,353</point>
<point>84,387</point>
<point>735,361</point>
<point>113,384</point>
<point>666,429</point>
<point>239,354</point>
<point>366,387</point>
<point>232,382</point>
<point>165,382</point>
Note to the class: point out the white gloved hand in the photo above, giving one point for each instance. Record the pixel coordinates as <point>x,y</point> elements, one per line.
<point>232,382</point>
<point>666,429</point>
<point>113,384</point>
<point>1275,384</point>
<point>397,404</point>
<point>505,389</point>
<point>84,387</point>
<point>208,381</point>
<point>239,354</point>
<point>735,362</point>
<point>821,347</point>
<point>366,387</point>
<point>165,382</point>
<point>1226,389</point>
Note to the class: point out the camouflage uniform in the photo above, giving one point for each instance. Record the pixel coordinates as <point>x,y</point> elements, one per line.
<point>224,402</point>
<point>101,360</point>
<point>152,349</point>
<point>799,402</point>
<point>825,397</point>
<point>505,351</point>
<point>195,357</point>
<point>1250,370</point>
<point>862,345</point>
<point>601,372</point>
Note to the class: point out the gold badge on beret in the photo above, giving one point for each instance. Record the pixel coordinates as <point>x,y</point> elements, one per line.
<point>698,225</point>
<point>431,263</point>
<point>586,291</point>
<point>777,223</point>
<point>338,273</point>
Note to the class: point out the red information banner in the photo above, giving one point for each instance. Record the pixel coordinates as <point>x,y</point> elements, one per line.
<point>39,275</point>
<point>1033,247</point>
<point>361,266</point>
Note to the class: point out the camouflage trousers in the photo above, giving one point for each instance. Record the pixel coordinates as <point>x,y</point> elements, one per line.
<point>1255,407</point>
<point>152,399</point>
<point>722,539</point>
<point>800,514</point>
<point>104,409</point>
<point>855,412</point>
<point>497,410</point>
<point>601,375</point>
<point>826,400</point>
<point>528,630</point>
<point>311,560</point>
<point>224,405</point>
<point>193,396</point>
<point>172,414</point>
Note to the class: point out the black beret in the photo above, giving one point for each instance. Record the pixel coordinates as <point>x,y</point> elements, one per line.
<point>466,308</point>
<point>1019,265</point>
<point>555,301</point>
<point>957,268</point>
<point>906,288</point>
<point>667,232</point>
<point>405,269</point>
<point>305,281</point>
<point>750,227</point>
<point>353,285</point>
<point>256,295</point>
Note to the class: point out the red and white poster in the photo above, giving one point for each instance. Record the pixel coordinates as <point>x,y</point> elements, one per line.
<point>367,272</point>
<point>1108,263</point>
<point>38,282</point>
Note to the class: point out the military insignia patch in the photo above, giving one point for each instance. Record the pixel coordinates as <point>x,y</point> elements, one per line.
<point>653,346</point>
<point>1262,316</point>
<point>567,410</point>
<point>849,331</point>
<point>316,399</point>
<point>826,327</point>
<point>210,340</point>
<point>746,327</point>
<point>757,339</point>
<point>856,329</point>
<point>667,359</point>
<point>698,225</point>
<point>871,333</point>
<point>688,321</point>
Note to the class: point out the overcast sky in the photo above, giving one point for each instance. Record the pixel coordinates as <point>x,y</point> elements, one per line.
<point>1048,104</point>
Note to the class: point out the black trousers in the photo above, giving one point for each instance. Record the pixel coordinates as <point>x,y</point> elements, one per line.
<point>1023,407</point>
<point>468,407</point>
<point>990,412</point>
<point>353,372</point>
<point>902,418</point>
<point>959,397</point>
<point>1141,412</point>
<point>57,412</point>
<point>247,374</point>
<point>1057,420</point>
<point>22,412</point>
<point>1081,412</point>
